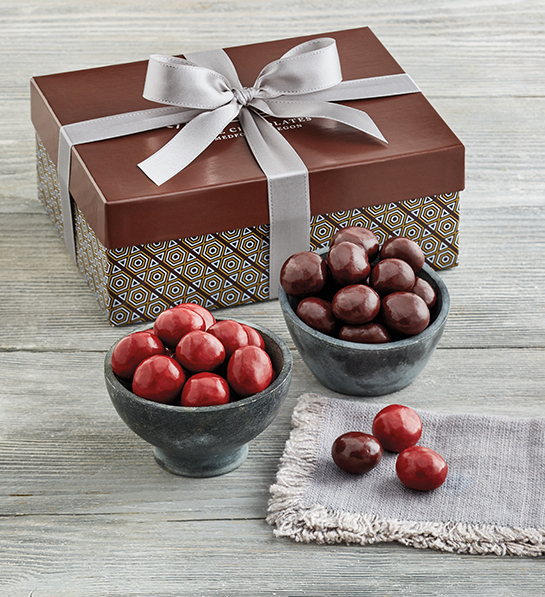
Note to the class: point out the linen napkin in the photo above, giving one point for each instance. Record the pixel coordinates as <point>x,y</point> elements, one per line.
<point>493,500</point>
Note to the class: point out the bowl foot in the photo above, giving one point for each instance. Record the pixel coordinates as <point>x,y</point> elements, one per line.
<point>209,465</point>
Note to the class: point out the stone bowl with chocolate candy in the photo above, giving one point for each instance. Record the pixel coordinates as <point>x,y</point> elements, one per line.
<point>198,388</point>
<point>365,319</point>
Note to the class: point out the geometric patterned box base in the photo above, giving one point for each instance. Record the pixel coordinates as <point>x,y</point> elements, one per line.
<point>230,268</point>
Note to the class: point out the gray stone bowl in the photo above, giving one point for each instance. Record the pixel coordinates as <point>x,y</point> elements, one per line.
<point>204,441</point>
<point>367,369</point>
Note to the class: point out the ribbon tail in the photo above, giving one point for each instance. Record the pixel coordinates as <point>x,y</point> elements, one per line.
<point>350,116</point>
<point>288,190</point>
<point>190,142</point>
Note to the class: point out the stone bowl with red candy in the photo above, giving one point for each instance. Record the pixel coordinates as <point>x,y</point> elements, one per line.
<point>197,388</point>
<point>364,318</point>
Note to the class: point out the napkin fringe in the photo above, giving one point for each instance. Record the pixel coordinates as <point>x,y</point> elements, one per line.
<point>330,527</point>
<point>298,460</point>
<point>323,526</point>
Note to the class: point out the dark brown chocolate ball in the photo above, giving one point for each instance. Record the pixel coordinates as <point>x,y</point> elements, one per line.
<point>360,236</point>
<point>368,333</point>
<point>392,275</point>
<point>356,304</point>
<point>303,274</point>
<point>348,263</point>
<point>317,314</point>
<point>425,291</point>
<point>405,312</point>
<point>404,248</point>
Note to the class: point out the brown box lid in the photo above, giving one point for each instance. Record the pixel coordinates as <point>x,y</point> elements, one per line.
<point>224,188</point>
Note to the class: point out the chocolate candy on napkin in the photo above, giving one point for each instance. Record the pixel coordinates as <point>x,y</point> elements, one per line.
<point>493,499</point>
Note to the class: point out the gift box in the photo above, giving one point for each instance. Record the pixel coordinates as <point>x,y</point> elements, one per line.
<point>204,234</point>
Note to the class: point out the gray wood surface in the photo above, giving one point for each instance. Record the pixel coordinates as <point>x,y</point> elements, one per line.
<point>84,509</point>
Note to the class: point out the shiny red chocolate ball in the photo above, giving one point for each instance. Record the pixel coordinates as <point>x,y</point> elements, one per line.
<point>249,370</point>
<point>205,389</point>
<point>159,378</point>
<point>356,452</point>
<point>131,350</point>
<point>254,337</point>
<point>200,351</point>
<point>397,427</point>
<point>209,319</point>
<point>231,334</point>
<point>174,323</point>
<point>421,468</point>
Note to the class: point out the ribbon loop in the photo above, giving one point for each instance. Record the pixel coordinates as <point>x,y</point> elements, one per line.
<point>308,67</point>
<point>178,82</point>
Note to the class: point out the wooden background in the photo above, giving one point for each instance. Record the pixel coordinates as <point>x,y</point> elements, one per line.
<point>84,509</point>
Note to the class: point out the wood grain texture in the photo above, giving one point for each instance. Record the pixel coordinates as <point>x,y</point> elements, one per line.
<point>84,509</point>
<point>130,556</point>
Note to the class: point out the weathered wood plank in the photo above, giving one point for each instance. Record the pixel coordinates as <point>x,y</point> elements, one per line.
<point>145,555</point>
<point>468,39</point>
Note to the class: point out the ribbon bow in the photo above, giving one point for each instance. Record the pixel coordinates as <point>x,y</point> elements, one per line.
<point>204,93</point>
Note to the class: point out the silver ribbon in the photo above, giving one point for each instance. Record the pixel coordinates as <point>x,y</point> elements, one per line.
<point>204,93</point>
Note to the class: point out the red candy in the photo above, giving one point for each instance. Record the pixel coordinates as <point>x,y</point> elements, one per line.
<point>231,334</point>
<point>397,427</point>
<point>421,468</point>
<point>131,350</point>
<point>254,337</point>
<point>356,452</point>
<point>209,319</point>
<point>200,351</point>
<point>249,370</point>
<point>159,378</point>
<point>174,323</point>
<point>157,363</point>
<point>205,389</point>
